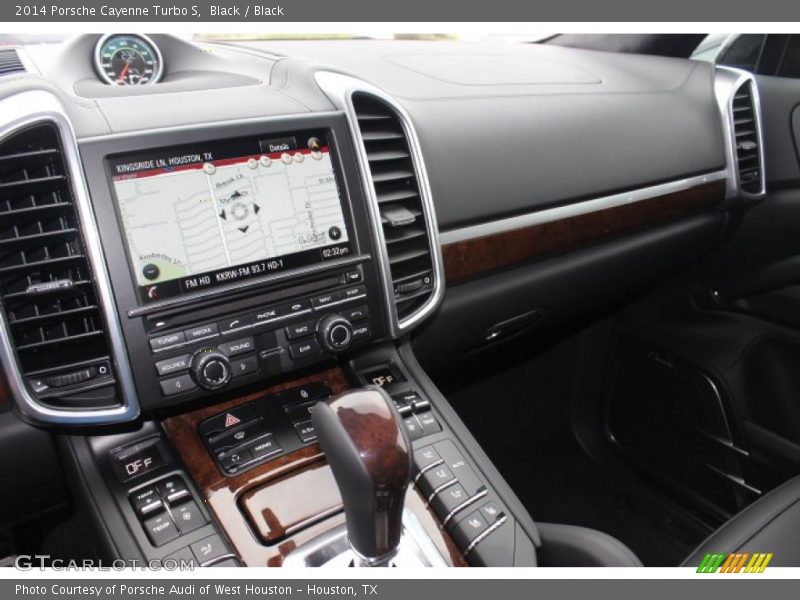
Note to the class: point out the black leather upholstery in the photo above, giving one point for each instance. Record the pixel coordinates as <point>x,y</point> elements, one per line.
<point>571,546</point>
<point>771,524</point>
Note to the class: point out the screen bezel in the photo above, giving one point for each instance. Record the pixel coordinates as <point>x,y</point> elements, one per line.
<point>339,179</point>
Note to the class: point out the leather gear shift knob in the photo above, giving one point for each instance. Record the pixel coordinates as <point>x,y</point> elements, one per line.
<point>369,452</point>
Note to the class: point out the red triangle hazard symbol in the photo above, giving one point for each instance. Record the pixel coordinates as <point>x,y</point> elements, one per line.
<point>230,420</point>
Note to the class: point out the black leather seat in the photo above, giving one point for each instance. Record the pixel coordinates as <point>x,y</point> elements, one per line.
<point>771,524</point>
<point>571,546</point>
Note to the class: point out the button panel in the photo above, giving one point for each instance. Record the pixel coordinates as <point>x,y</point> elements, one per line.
<point>166,510</point>
<point>263,341</point>
<point>253,433</point>
<point>466,507</point>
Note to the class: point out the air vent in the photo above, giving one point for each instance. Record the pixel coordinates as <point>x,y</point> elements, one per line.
<point>401,208</point>
<point>747,141</point>
<point>10,62</point>
<point>46,287</point>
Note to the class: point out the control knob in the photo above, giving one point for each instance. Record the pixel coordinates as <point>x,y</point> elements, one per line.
<point>335,333</point>
<point>210,369</point>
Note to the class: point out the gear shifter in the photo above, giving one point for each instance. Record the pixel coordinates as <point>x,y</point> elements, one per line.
<point>369,453</point>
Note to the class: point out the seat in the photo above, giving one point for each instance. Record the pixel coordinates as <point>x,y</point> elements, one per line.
<point>771,524</point>
<point>571,546</point>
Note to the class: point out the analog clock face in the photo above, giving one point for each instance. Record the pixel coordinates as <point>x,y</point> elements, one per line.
<point>126,59</point>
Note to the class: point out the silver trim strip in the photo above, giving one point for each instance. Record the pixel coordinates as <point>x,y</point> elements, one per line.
<point>579,208</point>
<point>340,89</point>
<point>465,504</point>
<point>727,81</point>
<point>492,528</point>
<point>35,107</point>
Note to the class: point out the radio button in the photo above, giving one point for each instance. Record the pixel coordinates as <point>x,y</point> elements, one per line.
<point>296,307</point>
<point>171,365</point>
<point>361,332</point>
<point>202,332</point>
<point>236,347</point>
<point>299,330</point>
<point>359,313</point>
<point>265,314</point>
<point>326,299</point>
<point>234,323</point>
<point>177,385</point>
<point>353,292</point>
<point>352,277</point>
<point>170,340</point>
<point>244,366</point>
<point>304,349</point>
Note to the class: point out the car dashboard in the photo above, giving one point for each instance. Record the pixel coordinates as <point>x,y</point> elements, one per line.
<point>192,260</point>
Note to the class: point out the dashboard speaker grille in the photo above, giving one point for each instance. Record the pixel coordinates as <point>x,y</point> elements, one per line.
<point>746,140</point>
<point>46,286</point>
<point>398,195</point>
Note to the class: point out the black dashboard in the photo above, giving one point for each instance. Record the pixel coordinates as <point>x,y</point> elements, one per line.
<point>216,298</point>
<point>199,240</point>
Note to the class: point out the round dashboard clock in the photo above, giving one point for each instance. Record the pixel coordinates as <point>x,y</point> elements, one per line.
<point>128,59</point>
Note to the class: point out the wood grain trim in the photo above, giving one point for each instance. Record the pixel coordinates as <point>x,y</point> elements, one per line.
<point>224,494</point>
<point>469,258</point>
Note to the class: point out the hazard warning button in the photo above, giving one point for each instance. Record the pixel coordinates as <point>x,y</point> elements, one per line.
<point>228,420</point>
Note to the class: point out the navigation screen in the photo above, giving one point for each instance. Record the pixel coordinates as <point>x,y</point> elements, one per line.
<point>208,215</point>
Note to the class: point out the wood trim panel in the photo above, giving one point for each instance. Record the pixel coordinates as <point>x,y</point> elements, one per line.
<point>224,494</point>
<point>469,258</point>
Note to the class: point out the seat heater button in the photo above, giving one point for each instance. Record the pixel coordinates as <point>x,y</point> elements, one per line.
<point>160,529</point>
<point>491,511</point>
<point>468,528</point>
<point>424,457</point>
<point>209,548</point>
<point>449,499</point>
<point>435,478</point>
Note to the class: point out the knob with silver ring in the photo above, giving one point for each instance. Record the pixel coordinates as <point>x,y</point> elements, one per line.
<point>335,333</point>
<point>211,370</point>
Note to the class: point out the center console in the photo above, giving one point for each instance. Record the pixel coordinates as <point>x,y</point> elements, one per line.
<point>233,278</point>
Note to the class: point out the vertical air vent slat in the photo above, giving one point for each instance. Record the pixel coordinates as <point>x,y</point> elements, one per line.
<point>746,140</point>
<point>397,192</point>
<point>46,287</point>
